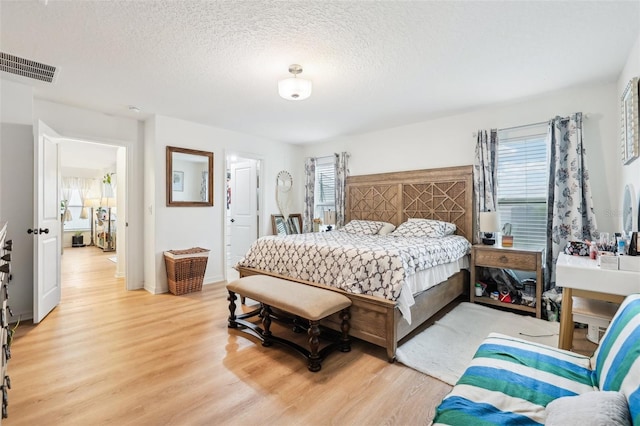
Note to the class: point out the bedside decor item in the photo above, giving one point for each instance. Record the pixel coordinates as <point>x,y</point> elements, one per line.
<point>629,122</point>
<point>489,224</point>
<point>330,219</point>
<point>294,88</point>
<point>507,238</point>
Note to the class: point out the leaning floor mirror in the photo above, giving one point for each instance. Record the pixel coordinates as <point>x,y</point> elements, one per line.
<point>291,226</point>
<point>189,177</point>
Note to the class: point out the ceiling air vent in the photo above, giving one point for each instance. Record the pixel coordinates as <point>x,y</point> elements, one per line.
<point>27,68</point>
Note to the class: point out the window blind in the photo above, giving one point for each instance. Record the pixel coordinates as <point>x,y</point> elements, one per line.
<point>522,187</point>
<point>325,192</point>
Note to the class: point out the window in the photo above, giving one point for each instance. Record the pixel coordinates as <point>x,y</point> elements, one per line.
<point>75,207</point>
<point>325,191</point>
<point>523,169</point>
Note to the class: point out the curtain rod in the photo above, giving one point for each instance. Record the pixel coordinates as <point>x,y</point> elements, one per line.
<point>475,134</point>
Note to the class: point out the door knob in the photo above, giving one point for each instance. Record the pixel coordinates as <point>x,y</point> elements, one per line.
<point>44,231</point>
<point>32,231</point>
<point>233,220</point>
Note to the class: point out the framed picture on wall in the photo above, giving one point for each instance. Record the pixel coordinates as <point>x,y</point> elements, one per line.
<point>178,181</point>
<point>629,122</point>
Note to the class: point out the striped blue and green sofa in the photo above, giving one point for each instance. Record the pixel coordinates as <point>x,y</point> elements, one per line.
<point>513,381</point>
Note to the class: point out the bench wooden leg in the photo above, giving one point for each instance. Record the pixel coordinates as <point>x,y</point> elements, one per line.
<point>345,342</point>
<point>314,344</point>
<point>232,310</point>
<point>266,323</point>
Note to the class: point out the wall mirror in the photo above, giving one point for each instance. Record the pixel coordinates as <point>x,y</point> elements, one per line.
<point>629,122</point>
<point>286,227</point>
<point>189,177</point>
<point>284,183</point>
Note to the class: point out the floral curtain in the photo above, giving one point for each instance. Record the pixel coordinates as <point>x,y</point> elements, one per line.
<point>342,171</point>
<point>570,207</point>
<point>309,190</point>
<point>484,175</point>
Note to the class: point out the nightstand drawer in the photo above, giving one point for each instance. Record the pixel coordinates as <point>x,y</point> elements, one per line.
<point>506,259</point>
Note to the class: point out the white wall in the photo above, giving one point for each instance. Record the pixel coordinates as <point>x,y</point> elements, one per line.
<point>629,174</point>
<point>16,188</point>
<point>449,141</point>
<point>186,227</point>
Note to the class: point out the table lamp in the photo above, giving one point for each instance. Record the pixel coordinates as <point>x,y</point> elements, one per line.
<point>329,219</point>
<point>108,202</point>
<point>489,224</point>
<point>92,203</point>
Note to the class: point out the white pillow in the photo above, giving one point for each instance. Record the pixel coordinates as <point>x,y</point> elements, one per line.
<point>362,227</point>
<point>387,228</point>
<point>449,227</point>
<point>591,408</point>
<point>422,228</point>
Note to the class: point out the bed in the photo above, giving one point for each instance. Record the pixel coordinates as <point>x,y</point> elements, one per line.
<point>442,194</point>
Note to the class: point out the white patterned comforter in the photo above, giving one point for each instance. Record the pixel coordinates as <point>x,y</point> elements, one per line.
<point>376,265</point>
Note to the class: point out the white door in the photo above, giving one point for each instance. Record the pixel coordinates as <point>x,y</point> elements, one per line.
<point>243,211</point>
<point>46,224</point>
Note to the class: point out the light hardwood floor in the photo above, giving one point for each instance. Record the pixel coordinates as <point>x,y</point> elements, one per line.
<point>108,356</point>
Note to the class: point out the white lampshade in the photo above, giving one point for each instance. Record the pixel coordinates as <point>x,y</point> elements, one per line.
<point>329,217</point>
<point>92,202</point>
<point>489,222</point>
<point>108,202</point>
<point>294,89</point>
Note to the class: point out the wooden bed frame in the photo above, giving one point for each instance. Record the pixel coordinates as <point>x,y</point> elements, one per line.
<point>443,194</point>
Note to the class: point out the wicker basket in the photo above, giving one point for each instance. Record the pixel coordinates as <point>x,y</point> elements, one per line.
<point>185,269</point>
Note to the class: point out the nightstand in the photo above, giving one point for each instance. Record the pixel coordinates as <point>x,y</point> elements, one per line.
<point>521,259</point>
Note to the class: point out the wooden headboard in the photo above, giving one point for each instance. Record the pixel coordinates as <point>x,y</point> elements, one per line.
<point>444,194</point>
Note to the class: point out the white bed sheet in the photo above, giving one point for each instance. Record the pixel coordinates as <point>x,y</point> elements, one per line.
<point>425,279</point>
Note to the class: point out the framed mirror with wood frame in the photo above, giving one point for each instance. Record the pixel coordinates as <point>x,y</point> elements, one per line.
<point>189,177</point>
<point>291,226</point>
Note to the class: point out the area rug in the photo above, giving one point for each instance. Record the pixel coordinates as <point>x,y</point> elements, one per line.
<point>445,349</point>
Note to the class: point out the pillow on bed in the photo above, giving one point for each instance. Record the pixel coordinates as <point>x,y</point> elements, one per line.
<point>362,227</point>
<point>424,228</point>
<point>387,228</point>
<point>449,228</point>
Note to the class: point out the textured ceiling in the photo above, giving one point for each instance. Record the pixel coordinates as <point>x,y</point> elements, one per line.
<point>373,64</point>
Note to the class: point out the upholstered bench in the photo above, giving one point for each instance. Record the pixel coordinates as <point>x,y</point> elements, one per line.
<point>306,303</point>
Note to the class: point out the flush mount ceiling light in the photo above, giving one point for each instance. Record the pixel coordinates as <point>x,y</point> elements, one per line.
<point>294,88</point>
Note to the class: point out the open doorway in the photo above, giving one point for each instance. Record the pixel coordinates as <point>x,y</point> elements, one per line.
<point>242,208</point>
<point>93,194</point>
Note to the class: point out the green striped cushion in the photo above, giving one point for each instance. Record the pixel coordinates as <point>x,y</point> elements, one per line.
<point>511,381</point>
<point>617,359</point>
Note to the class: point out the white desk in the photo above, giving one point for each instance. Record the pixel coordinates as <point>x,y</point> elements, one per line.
<point>581,277</point>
